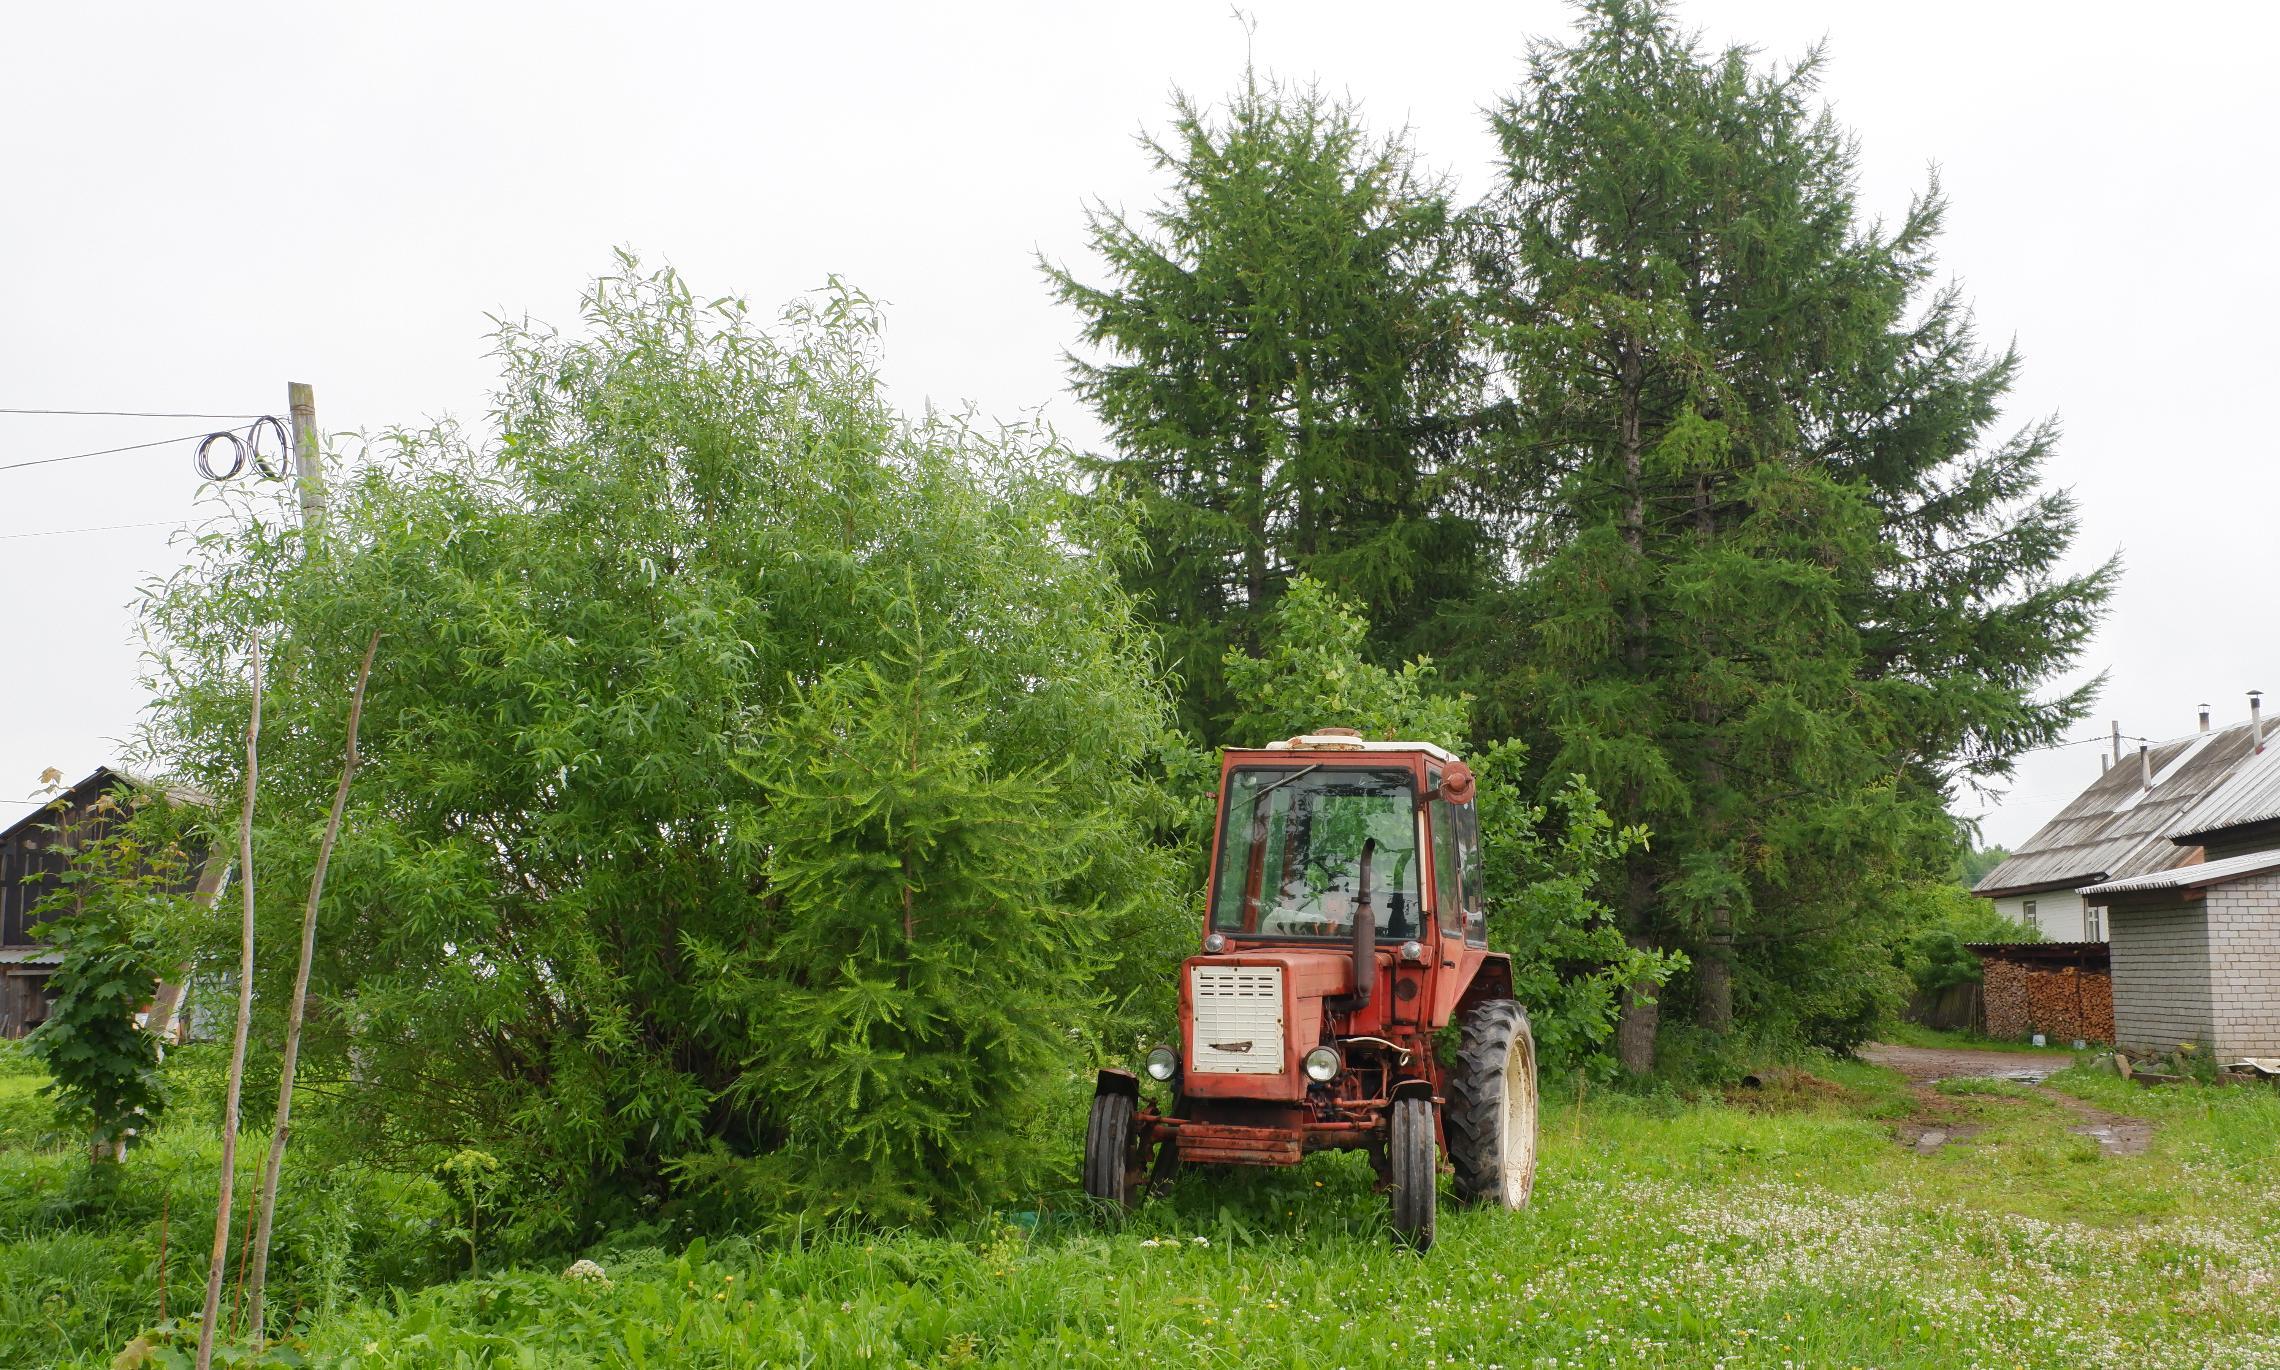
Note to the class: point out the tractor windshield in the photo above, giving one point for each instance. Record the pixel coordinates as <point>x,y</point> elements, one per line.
<point>1290,852</point>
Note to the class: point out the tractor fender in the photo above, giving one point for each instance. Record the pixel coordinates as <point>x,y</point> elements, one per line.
<point>1491,979</point>
<point>1114,1081</point>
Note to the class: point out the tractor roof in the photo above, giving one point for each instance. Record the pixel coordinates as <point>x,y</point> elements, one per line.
<point>1342,741</point>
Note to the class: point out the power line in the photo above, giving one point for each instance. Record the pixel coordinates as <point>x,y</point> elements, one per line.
<point>105,528</point>
<point>100,452</point>
<point>128,413</point>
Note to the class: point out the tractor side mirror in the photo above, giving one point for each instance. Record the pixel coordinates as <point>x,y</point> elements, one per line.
<point>1456,784</point>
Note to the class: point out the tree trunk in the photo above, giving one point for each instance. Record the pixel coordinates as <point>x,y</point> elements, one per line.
<point>1714,975</point>
<point>1640,1015</point>
<point>218,1262</point>
<point>1635,1030</point>
<point>299,1009</point>
<point>1714,968</point>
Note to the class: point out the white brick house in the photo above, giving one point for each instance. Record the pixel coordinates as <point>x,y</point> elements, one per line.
<point>2121,826</point>
<point>2196,956</point>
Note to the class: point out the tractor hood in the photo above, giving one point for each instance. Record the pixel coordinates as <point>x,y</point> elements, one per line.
<point>1246,1018</point>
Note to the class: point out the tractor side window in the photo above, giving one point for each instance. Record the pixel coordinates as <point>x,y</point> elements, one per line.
<point>1468,857</point>
<point>1448,897</point>
<point>1291,849</point>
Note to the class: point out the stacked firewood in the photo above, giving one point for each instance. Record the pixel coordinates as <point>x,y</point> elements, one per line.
<point>2061,1002</point>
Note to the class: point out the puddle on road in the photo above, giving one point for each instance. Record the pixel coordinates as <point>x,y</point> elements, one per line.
<point>2017,1077</point>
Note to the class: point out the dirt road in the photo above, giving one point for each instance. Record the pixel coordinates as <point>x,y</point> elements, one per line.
<point>2116,1134</point>
<point>1929,1065</point>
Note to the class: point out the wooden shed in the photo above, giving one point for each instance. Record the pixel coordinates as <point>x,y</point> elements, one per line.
<point>34,852</point>
<point>2064,990</point>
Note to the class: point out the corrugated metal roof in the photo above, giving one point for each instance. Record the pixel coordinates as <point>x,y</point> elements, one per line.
<point>2250,795</point>
<point>30,956</point>
<point>2119,827</point>
<point>2085,954</point>
<point>2193,876</point>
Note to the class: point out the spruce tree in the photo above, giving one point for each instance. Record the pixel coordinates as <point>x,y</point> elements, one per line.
<point>1283,370</point>
<point>1768,611</point>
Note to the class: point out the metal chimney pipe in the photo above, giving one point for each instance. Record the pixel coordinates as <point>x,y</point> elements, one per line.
<point>2256,718</point>
<point>2145,767</point>
<point>2117,742</point>
<point>2204,718</point>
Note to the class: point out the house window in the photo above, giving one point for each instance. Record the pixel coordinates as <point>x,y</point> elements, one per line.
<point>2027,914</point>
<point>2092,916</point>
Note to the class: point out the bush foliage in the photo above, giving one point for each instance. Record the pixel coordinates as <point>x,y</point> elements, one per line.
<point>750,772</point>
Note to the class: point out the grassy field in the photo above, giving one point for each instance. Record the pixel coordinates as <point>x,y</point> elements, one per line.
<point>1778,1226</point>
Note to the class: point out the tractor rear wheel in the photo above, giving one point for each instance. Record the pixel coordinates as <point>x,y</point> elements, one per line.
<point>1492,1106</point>
<point>1415,1163</point>
<point>1109,1149</point>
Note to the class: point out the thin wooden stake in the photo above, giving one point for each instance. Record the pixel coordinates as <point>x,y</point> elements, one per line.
<point>284,1124</point>
<point>219,1261</point>
<point>165,1207</point>
<point>245,1244</point>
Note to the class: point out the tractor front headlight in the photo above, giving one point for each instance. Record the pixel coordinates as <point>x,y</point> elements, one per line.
<point>1322,1065</point>
<point>1215,944</point>
<point>1413,952</point>
<point>1163,1063</point>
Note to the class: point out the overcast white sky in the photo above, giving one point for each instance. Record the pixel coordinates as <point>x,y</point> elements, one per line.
<point>205,202</point>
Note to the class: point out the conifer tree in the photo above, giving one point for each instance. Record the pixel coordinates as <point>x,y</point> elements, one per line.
<point>1283,373</point>
<point>1782,588</point>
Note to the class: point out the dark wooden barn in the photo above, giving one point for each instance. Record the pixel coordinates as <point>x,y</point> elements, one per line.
<point>34,851</point>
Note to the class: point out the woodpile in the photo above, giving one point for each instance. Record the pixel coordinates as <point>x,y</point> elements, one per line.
<point>2061,1002</point>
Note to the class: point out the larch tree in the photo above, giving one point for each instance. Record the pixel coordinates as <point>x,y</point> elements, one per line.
<point>1782,587</point>
<point>1279,352</point>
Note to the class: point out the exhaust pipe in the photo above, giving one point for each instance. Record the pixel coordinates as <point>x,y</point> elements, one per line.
<point>1365,941</point>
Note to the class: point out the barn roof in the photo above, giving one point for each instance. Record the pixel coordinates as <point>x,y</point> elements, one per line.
<point>2119,826</point>
<point>45,813</point>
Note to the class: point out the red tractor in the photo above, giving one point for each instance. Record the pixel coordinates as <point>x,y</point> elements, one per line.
<point>1344,931</point>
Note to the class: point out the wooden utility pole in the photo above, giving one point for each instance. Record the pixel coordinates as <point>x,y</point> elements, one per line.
<point>308,454</point>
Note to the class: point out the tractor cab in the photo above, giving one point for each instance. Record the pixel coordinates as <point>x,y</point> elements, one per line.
<point>1344,927</point>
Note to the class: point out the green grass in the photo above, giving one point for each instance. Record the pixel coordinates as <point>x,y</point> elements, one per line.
<point>1664,1233</point>
<point>1784,1226</point>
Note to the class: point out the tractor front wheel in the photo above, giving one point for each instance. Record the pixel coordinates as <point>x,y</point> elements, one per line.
<point>1492,1106</point>
<point>1109,1149</point>
<point>1415,1162</point>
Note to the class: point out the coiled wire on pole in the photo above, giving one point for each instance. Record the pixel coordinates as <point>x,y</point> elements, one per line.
<point>245,449</point>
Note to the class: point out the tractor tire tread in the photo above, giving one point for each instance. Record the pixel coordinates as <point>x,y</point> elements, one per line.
<point>1415,1173</point>
<point>1108,1139</point>
<point>1474,1116</point>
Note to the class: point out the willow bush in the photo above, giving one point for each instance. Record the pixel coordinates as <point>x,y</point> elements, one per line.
<point>753,804</point>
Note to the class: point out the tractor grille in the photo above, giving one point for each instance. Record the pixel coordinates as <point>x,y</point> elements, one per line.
<point>1238,1020</point>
